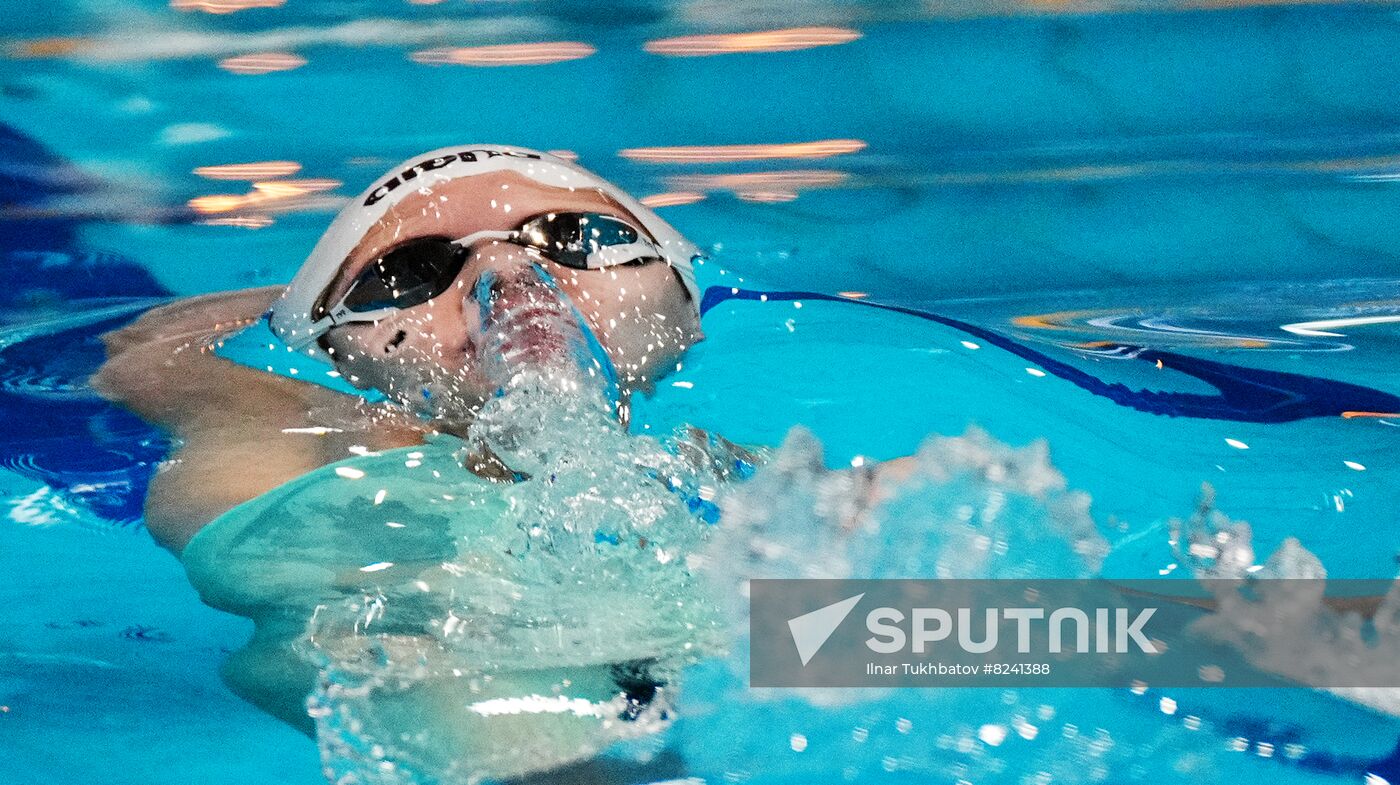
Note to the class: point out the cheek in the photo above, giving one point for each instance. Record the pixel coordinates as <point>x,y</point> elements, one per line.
<point>648,344</point>
<point>357,369</point>
<point>401,353</point>
<point>641,316</point>
<point>362,366</point>
<point>608,298</point>
<point>437,336</point>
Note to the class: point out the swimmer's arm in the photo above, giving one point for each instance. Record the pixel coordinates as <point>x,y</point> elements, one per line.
<point>240,431</point>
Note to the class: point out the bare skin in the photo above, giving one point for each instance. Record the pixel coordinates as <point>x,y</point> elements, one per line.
<point>235,426</point>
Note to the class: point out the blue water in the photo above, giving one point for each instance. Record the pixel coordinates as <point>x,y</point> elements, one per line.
<point>1072,179</point>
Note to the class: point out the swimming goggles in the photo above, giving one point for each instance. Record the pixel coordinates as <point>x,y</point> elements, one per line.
<point>419,270</point>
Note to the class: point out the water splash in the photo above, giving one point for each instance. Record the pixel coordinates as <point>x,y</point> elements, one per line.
<point>1278,615</point>
<point>604,617</point>
<point>561,626</point>
<point>1212,545</point>
<point>961,507</point>
<point>42,507</point>
<point>970,507</point>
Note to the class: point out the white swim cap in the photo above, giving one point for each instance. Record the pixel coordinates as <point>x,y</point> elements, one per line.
<point>292,318</point>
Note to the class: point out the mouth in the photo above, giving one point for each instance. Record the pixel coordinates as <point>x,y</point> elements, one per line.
<point>533,334</point>
<point>528,323</point>
<point>526,319</point>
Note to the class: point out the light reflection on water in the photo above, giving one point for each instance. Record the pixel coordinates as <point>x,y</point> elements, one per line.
<point>1001,140</point>
<point>1078,176</point>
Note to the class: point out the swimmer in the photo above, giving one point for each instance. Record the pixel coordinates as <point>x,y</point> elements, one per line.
<point>444,282</point>
<point>390,297</point>
<point>437,287</point>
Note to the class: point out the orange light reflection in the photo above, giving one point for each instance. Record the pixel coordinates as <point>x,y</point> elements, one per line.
<point>672,199</point>
<point>223,6</point>
<point>1052,321</point>
<point>283,189</point>
<point>790,40</point>
<point>261,170</point>
<point>767,197</point>
<point>743,152</point>
<point>245,222</point>
<point>542,53</point>
<point>781,181</point>
<point>262,195</point>
<point>264,63</point>
<point>48,47</point>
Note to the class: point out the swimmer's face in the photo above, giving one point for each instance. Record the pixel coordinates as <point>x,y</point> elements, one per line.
<point>424,356</point>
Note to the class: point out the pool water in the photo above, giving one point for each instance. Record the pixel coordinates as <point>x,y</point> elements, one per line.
<point>1157,236</point>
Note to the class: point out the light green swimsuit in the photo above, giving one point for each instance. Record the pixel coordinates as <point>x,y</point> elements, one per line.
<point>338,532</point>
<point>413,525</point>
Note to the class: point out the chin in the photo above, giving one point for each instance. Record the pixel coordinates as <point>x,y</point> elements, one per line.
<point>444,404</point>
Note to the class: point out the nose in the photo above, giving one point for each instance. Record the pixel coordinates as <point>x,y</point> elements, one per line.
<point>499,257</point>
<point>502,277</point>
<point>527,320</point>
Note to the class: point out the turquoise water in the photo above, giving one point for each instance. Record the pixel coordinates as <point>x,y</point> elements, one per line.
<point>1184,181</point>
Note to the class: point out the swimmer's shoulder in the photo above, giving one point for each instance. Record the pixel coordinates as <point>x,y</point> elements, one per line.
<point>241,432</point>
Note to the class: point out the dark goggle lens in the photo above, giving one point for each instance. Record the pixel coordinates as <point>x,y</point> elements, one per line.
<point>409,275</point>
<point>570,238</point>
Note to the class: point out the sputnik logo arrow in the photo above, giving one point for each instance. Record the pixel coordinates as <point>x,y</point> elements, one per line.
<point>811,630</point>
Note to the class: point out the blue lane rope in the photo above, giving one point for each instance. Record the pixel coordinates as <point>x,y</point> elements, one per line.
<point>1244,394</point>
